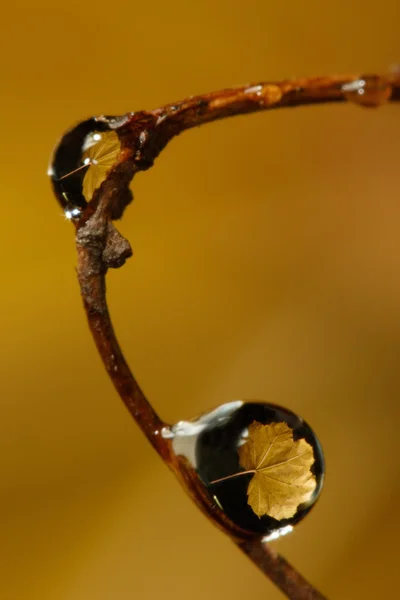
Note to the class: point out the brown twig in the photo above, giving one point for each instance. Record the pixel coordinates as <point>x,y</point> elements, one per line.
<point>285,577</point>
<point>143,135</point>
<point>147,133</point>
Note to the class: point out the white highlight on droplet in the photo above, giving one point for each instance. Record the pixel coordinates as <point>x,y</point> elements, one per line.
<point>255,89</point>
<point>72,213</point>
<point>278,533</point>
<point>185,433</point>
<point>354,86</point>
<point>243,438</point>
<point>166,433</point>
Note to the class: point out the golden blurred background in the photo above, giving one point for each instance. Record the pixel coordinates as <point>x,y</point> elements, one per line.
<point>266,265</point>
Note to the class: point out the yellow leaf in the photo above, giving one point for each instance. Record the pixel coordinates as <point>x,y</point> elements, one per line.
<point>102,149</point>
<point>282,478</point>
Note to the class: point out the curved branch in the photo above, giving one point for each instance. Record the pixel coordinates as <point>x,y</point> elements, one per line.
<point>143,135</point>
<point>149,132</point>
<point>100,246</point>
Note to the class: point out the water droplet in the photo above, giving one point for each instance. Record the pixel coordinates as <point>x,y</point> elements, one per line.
<point>368,91</point>
<point>211,444</point>
<point>81,162</point>
<point>254,89</point>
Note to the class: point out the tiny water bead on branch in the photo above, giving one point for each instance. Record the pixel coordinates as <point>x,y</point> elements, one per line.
<point>254,469</point>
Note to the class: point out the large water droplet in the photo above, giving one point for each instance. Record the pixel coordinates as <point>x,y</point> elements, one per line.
<point>213,444</point>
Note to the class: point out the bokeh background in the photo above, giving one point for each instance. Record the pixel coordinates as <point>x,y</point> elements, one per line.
<point>267,266</point>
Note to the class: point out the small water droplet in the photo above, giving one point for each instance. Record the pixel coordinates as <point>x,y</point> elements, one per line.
<point>81,162</point>
<point>254,89</point>
<point>368,91</point>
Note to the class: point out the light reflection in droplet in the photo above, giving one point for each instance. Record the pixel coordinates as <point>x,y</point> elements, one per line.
<point>166,433</point>
<point>255,89</point>
<point>278,533</point>
<point>72,213</point>
<point>354,86</point>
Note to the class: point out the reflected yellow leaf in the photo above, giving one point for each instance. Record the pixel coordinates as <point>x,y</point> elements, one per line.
<point>282,478</point>
<point>101,155</point>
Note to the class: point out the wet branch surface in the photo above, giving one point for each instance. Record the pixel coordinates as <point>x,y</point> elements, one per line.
<point>100,246</point>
